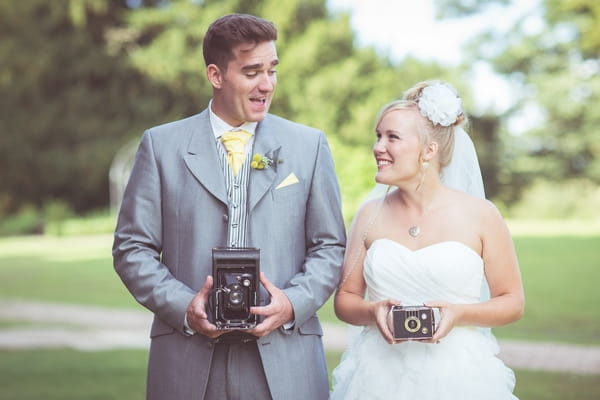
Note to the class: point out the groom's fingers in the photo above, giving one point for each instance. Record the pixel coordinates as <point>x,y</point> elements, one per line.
<point>278,312</point>
<point>267,283</point>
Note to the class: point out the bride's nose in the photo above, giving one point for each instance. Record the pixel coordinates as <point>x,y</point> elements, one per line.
<point>378,147</point>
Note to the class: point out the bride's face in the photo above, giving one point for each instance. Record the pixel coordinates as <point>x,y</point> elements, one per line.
<point>398,147</point>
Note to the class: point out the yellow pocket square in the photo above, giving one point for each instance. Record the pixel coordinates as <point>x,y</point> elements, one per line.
<point>290,180</point>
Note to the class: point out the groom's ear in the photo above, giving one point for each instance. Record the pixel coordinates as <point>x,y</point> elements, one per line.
<point>214,75</point>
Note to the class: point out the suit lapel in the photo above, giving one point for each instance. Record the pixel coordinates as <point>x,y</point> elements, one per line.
<point>265,143</point>
<point>202,159</point>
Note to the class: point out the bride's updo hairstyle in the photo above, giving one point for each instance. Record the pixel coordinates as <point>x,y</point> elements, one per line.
<point>441,107</point>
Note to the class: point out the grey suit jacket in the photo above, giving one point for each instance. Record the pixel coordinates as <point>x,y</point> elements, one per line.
<point>174,212</point>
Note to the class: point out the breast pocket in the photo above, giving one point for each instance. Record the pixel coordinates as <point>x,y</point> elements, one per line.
<point>286,193</point>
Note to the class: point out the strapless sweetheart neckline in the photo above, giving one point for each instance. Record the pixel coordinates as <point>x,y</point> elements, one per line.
<point>427,247</point>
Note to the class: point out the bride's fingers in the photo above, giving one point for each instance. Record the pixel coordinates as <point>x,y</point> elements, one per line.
<point>382,320</point>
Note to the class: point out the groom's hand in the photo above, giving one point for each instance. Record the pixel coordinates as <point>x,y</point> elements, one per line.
<point>276,313</point>
<point>196,315</point>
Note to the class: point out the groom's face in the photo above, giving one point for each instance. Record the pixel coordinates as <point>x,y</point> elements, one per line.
<point>243,92</point>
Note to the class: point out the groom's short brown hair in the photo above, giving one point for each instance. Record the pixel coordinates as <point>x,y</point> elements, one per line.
<point>232,30</point>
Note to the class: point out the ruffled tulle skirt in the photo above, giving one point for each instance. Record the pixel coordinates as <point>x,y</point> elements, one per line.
<point>463,366</point>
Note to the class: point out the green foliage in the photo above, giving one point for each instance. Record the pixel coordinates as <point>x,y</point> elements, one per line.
<point>558,70</point>
<point>91,224</point>
<point>553,200</point>
<point>89,76</point>
<point>67,103</point>
<point>27,220</point>
<point>56,213</point>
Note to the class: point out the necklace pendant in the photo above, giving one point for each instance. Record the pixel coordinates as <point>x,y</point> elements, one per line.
<point>414,231</point>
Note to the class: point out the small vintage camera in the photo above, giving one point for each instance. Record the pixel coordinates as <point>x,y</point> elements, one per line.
<point>235,287</point>
<point>413,322</point>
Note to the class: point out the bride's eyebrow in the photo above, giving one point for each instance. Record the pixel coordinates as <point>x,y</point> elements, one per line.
<point>393,132</point>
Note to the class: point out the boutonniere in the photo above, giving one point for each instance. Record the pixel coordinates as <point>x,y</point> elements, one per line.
<point>260,161</point>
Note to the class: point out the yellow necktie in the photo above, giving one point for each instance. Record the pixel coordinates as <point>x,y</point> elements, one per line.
<point>235,144</point>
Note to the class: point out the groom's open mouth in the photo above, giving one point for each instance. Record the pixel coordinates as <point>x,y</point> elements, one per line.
<point>258,100</point>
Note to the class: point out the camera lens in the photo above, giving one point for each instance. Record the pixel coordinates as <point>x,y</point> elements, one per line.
<point>236,298</point>
<point>412,324</point>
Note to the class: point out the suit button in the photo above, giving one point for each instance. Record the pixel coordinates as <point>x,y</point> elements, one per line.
<point>225,218</point>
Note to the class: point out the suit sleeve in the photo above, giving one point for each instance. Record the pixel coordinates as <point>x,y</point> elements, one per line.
<point>138,242</point>
<point>325,240</point>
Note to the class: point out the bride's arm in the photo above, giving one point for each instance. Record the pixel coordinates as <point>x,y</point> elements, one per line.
<point>503,275</point>
<point>349,303</point>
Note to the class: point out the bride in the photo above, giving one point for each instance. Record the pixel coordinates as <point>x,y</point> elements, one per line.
<point>427,243</point>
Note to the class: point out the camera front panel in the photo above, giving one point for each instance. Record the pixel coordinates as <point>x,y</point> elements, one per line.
<point>235,287</point>
<point>413,322</point>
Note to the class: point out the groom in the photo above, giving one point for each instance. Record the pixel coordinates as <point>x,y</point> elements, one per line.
<point>190,191</point>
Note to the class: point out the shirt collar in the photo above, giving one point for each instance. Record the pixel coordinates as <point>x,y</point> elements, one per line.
<point>219,126</point>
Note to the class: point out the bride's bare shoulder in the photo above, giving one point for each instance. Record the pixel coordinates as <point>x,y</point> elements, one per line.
<point>476,205</point>
<point>370,206</point>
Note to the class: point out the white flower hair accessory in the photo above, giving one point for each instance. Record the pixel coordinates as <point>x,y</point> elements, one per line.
<point>440,103</point>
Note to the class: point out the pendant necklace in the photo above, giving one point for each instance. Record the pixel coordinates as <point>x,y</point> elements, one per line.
<point>414,231</point>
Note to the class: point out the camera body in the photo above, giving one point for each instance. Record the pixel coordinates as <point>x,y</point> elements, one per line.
<point>413,322</point>
<point>236,273</point>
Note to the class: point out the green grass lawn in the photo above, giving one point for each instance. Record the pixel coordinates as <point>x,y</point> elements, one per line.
<point>120,374</point>
<point>72,375</point>
<point>560,275</point>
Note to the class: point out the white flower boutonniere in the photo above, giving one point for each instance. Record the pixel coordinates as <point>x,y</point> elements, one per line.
<point>440,103</point>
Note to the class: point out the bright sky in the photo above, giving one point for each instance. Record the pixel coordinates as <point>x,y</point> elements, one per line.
<point>408,27</point>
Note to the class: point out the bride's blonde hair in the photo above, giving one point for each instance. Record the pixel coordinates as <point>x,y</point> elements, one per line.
<point>428,131</point>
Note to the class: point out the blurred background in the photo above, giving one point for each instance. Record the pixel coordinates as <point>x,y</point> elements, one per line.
<point>80,80</point>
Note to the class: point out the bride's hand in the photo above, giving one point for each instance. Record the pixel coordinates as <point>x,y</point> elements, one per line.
<point>381,311</point>
<point>449,316</point>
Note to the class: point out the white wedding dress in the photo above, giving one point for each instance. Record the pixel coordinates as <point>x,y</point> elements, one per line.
<point>462,366</point>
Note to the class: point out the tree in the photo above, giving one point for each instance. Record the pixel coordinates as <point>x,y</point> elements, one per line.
<point>557,68</point>
<point>67,102</point>
<point>88,76</point>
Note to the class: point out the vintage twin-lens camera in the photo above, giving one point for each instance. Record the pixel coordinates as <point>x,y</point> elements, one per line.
<point>413,322</point>
<point>235,287</point>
